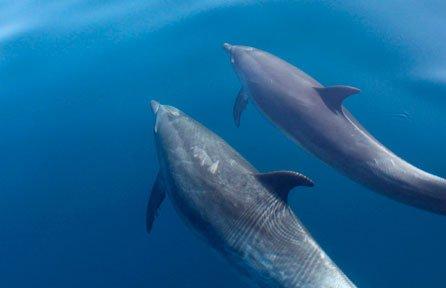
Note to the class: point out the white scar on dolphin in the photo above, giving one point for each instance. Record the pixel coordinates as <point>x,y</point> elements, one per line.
<point>313,116</point>
<point>241,213</point>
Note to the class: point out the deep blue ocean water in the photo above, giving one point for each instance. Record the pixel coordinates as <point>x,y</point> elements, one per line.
<point>78,157</point>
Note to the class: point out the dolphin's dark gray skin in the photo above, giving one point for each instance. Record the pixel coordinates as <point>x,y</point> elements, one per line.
<point>313,116</point>
<point>243,214</point>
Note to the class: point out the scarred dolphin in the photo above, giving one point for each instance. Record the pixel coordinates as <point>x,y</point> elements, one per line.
<point>240,212</point>
<point>313,116</point>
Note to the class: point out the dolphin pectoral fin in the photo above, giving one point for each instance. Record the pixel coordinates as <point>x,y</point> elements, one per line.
<point>281,182</point>
<point>156,198</point>
<point>335,95</point>
<point>239,106</point>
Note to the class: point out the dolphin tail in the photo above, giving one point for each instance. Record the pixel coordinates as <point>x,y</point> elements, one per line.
<point>239,106</point>
<point>156,198</point>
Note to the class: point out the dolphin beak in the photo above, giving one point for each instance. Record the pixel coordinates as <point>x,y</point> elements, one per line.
<point>227,47</point>
<point>155,106</point>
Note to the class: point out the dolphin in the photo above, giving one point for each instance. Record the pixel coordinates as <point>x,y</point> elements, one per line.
<point>313,116</point>
<point>240,212</point>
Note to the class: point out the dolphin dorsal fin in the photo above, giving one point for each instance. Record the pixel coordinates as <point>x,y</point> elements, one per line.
<point>281,182</point>
<point>335,95</point>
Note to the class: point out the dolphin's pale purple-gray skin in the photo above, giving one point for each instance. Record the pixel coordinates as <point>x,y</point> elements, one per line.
<point>243,214</point>
<point>313,116</point>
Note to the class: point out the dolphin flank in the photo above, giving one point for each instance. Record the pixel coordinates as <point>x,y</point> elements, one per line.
<point>240,212</point>
<point>313,116</point>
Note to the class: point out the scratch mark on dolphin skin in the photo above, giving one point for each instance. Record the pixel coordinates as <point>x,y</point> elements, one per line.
<point>213,168</point>
<point>201,155</point>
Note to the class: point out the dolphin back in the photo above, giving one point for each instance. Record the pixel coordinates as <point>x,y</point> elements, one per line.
<point>277,251</point>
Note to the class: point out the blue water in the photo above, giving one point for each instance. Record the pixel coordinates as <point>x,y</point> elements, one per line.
<point>78,157</point>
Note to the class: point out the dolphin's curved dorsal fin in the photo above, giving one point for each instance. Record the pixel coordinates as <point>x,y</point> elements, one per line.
<point>335,95</point>
<point>239,106</point>
<point>281,182</point>
<point>156,198</point>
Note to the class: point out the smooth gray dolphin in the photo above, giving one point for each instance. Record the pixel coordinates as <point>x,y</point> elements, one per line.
<point>313,116</point>
<point>240,212</point>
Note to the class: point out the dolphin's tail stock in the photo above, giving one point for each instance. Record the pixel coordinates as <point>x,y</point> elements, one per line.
<point>418,188</point>
<point>437,191</point>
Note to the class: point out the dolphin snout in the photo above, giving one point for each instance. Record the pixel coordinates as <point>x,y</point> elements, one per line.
<point>155,106</point>
<point>227,47</point>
